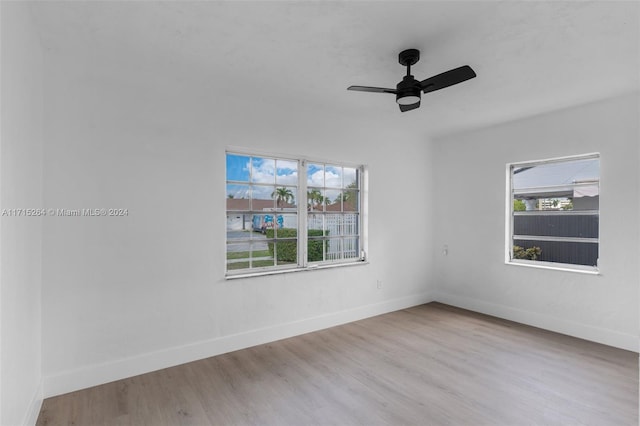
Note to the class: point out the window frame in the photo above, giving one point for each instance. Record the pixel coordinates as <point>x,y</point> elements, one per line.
<point>301,199</point>
<point>509,222</point>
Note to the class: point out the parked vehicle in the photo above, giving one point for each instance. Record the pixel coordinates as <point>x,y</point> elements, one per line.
<point>262,222</point>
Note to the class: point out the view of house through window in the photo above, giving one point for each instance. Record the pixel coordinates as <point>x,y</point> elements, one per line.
<point>287,213</point>
<point>333,205</point>
<point>555,212</point>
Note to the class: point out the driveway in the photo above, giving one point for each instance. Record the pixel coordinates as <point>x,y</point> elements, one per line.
<point>258,241</point>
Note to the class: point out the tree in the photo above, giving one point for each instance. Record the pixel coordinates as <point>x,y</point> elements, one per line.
<point>519,206</point>
<point>315,199</point>
<point>282,195</point>
<point>349,195</point>
<point>343,196</point>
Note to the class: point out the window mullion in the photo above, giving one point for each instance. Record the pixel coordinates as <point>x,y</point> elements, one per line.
<point>302,214</point>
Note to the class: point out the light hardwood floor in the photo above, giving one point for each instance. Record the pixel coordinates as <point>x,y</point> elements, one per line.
<point>428,365</point>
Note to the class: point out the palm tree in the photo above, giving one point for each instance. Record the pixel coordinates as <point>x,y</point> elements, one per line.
<point>348,196</point>
<point>315,199</point>
<point>282,195</point>
<point>343,196</point>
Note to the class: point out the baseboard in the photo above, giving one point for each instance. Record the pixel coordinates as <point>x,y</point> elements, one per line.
<point>93,375</point>
<point>31,416</point>
<point>595,334</point>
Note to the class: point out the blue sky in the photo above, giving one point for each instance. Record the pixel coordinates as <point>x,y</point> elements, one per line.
<point>267,171</point>
<point>261,170</point>
<point>237,167</point>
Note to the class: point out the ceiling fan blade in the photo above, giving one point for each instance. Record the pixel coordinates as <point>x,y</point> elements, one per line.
<point>447,78</point>
<point>371,89</point>
<point>405,108</point>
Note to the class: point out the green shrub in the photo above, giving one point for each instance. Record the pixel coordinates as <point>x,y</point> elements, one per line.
<point>532,253</point>
<point>314,247</point>
<point>288,250</point>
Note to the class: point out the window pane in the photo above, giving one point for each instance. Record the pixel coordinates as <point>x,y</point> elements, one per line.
<point>238,167</point>
<point>286,252</point>
<point>558,252</point>
<point>238,197</point>
<point>333,200</point>
<point>350,224</point>
<point>316,247</point>
<point>287,226</point>
<point>315,199</point>
<point>581,226</point>
<point>334,224</point>
<point>315,175</point>
<point>350,177</point>
<point>285,197</point>
<point>351,249</point>
<point>238,228</point>
<point>351,200</point>
<point>248,255</point>
<point>287,172</point>
<point>334,249</point>
<point>264,222</point>
<point>263,170</point>
<point>333,176</point>
<point>262,198</point>
<point>315,221</point>
<point>560,173</point>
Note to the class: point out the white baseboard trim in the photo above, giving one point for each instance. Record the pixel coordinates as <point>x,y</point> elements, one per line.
<point>93,375</point>
<point>31,416</point>
<point>605,336</point>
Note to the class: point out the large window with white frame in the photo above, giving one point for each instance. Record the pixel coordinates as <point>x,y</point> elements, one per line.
<point>554,215</point>
<point>291,213</point>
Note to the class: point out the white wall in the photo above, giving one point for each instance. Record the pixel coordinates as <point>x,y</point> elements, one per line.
<point>127,295</point>
<point>20,237</point>
<point>469,174</point>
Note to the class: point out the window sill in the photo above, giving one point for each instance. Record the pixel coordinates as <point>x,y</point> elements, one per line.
<point>556,267</point>
<point>288,271</point>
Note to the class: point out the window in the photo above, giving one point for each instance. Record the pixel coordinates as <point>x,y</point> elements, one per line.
<point>554,212</point>
<point>289,214</point>
<point>333,206</point>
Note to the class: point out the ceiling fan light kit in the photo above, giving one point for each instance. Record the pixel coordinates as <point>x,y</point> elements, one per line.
<point>408,91</point>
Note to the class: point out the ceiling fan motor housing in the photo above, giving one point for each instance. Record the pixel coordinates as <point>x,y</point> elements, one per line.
<point>408,91</point>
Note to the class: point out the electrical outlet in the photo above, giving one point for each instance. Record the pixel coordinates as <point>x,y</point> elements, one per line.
<point>379,284</point>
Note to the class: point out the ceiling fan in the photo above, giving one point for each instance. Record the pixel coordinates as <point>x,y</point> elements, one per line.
<point>408,90</point>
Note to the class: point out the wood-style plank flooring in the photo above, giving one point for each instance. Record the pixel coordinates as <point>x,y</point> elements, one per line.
<point>428,365</point>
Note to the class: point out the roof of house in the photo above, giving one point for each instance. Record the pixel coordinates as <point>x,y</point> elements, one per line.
<point>576,179</point>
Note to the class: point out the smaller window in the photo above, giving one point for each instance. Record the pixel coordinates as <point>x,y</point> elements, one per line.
<point>333,213</point>
<point>555,209</point>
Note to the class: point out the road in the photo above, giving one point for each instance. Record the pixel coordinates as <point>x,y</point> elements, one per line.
<point>258,242</point>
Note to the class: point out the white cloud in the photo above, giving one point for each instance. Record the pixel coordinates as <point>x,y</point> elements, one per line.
<point>331,178</point>
<point>264,171</point>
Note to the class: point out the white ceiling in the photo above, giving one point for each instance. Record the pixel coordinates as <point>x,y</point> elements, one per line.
<point>530,57</point>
